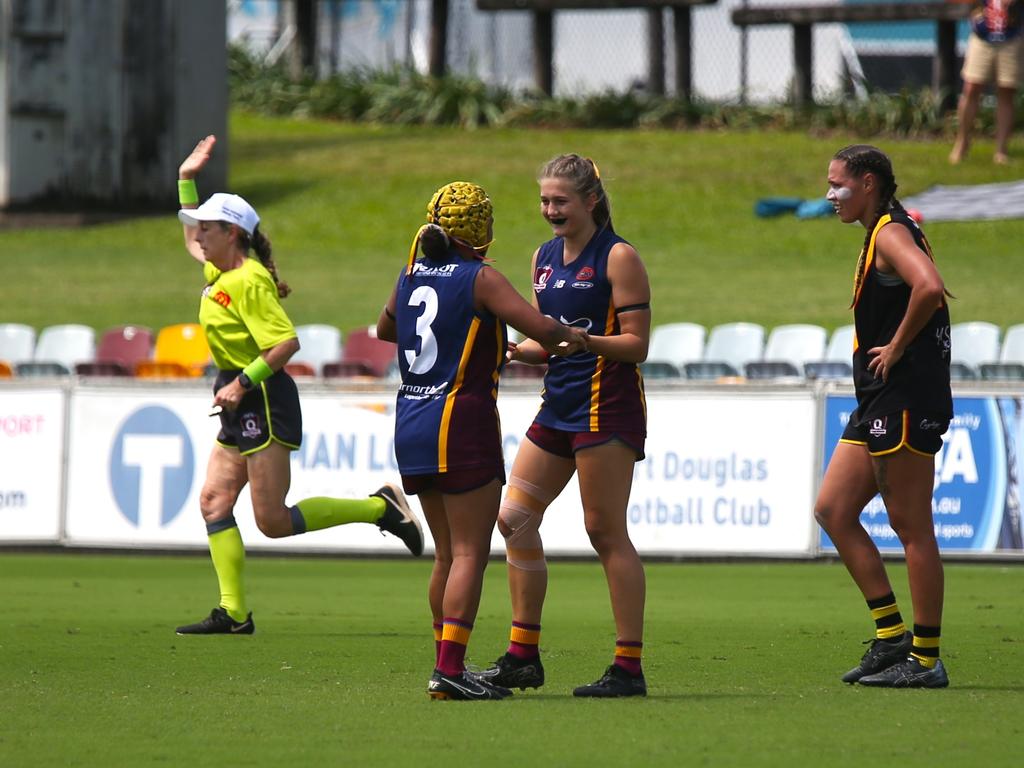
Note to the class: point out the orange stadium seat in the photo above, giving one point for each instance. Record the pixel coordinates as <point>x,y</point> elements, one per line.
<point>183,344</point>
<point>163,369</point>
<point>5,370</point>
<point>300,370</point>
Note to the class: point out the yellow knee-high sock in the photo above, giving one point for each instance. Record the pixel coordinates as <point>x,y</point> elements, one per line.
<point>324,512</point>
<point>228,554</point>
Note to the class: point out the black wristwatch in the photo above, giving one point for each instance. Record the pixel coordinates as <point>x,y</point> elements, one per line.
<point>245,381</point>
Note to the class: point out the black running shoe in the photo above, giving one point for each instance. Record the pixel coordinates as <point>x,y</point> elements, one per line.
<point>399,519</point>
<point>909,673</point>
<point>219,623</point>
<point>464,687</point>
<point>614,682</point>
<point>512,672</point>
<point>880,655</point>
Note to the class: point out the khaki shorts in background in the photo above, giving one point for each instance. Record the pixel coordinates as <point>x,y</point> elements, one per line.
<point>987,62</point>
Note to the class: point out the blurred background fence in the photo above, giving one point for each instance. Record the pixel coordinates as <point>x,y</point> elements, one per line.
<point>599,50</point>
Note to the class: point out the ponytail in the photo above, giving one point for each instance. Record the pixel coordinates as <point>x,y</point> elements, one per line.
<point>434,242</point>
<point>260,244</point>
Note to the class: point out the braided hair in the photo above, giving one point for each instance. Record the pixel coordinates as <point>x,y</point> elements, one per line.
<point>583,174</point>
<point>861,159</point>
<point>260,243</point>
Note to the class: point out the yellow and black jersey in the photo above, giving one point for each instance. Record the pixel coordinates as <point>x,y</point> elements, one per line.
<point>920,380</point>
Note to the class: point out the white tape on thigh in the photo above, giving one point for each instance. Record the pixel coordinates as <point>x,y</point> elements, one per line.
<point>533,491</point>
<point>523,546</point>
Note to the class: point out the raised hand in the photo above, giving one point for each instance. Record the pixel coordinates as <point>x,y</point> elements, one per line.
<point>200,156</point>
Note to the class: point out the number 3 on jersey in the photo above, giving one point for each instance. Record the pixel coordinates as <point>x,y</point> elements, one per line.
<point>425,297</point>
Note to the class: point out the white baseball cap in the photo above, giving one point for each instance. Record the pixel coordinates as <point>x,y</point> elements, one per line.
<point>222,207</point>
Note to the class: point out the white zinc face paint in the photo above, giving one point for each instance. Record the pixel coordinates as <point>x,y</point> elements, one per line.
<point>838,194</point>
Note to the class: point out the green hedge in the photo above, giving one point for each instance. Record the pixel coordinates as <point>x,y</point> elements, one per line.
<point>403,96</point>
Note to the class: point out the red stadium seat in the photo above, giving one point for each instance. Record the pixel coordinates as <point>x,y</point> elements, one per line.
<point>125,345</point>
<point>347,369</point>
<point>517,370</point>
<point>102,369</point>
<point>363,346</point>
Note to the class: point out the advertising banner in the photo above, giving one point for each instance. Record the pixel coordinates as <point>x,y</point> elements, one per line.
<point>137,463</point>
<point>729,474</point>
<point>719,476</point>
<point>976,501</point>
<point>31,445</point>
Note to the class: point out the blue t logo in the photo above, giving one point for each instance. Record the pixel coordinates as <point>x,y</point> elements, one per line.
<point>151,467</point>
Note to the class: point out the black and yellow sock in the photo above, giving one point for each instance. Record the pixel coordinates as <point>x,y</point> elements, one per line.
<point>926,645</point>
<point>228,555</point>
<point>888,621</point>
<point>324,512</point>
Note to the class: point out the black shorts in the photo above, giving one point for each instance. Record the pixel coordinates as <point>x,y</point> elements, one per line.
<point>916,431</point>
<point>268,412</point>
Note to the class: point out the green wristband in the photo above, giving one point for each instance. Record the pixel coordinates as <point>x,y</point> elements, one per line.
<point>258,370</point>
<point>187,193</point>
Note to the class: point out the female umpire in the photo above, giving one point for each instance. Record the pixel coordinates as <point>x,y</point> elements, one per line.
<point>251,339</point>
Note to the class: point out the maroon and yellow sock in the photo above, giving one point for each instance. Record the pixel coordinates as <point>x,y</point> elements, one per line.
<point>438,633</point>
<point>888,621</point>
<point>627,656</point>
<point>524,640</point>
<point>926,645</point>
<point>451,659</point>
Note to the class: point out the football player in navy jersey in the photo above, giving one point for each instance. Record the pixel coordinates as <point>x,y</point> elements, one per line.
<point>592,422</point>
<point>448,313</point>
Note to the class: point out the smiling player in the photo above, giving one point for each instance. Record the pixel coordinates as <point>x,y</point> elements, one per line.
<point>592,421</point>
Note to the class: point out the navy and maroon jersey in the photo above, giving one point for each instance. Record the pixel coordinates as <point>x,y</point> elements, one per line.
<point>586,392</point>
<point>450,356</point>
<point>920,379</point>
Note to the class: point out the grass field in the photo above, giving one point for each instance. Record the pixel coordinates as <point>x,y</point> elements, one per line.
<point>742,662</point>
<point>341,203</point>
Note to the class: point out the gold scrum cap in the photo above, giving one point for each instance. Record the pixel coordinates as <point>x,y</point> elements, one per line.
<point>463,210</point>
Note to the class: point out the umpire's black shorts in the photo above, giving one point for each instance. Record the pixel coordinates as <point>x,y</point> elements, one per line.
<point>269,412</point>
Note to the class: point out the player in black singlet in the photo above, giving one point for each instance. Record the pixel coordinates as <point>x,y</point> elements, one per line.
<point>904,405</point>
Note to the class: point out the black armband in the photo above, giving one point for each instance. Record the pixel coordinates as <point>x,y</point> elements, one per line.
<point>633,308</point>
<point>389,313</point>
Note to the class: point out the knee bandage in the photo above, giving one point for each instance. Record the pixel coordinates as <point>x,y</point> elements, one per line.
<point>521,515</point>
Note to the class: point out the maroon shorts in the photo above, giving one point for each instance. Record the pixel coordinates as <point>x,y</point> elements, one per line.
<point>565,444</point>
<point>457,481</point>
